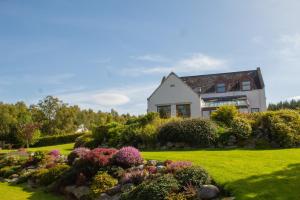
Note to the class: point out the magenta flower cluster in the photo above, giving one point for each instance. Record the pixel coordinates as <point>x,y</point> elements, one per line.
<point>128,156</point>
<point>178,165</point>
<point>55,153</point>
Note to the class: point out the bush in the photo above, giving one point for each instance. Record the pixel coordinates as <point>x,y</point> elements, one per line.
<point>135,176</point>
<point>7,171</point>
<point>77,153</point>
<point>241,128</point>
<point>57,139</point>
<point>195,132</point>
<point>173,167</point>
<point>278,128</point>
<point>127,157</point>
<point>158,189</point>
<point>225,114</point>
<point>47,176</point>
<point>196,176</point>
<point>100,156</point>
<point>178,196</point>
<point>102,182</point>
<point>85,140</point>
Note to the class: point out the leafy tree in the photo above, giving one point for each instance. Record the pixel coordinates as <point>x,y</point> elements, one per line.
<point>28,134</point>
<point>293,104</point>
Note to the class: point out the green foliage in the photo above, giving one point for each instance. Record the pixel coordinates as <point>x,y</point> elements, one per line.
<point>47,176</point>
<point>241,128</point>
<point>195,132</point>
<point>57,139</point>
<point>158,189</point>
<point>102,182</point>
<point>293,104</point>
<point>176,196</point>
<point>225,114</point>
<point>28,134</point>
<point>196,176</point>
<point>278,128</point>
<point>85,140</point>
<point>7,171</point>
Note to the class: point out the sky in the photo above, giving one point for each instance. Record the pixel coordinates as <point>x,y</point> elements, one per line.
<point>113,54</point>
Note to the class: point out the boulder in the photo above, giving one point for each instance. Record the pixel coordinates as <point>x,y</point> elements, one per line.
<point>114,190</point>
<point>208,192</point>
<point>152,162</point>
<point>14,176</point>
<point>116,197</point>
<point>104,196</point>
<point>78,192</point>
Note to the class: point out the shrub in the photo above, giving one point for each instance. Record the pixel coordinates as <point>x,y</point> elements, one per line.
<point>174,196</point>
<point>7,171</point>
<point>225,114</point>
<point>195,132</point>
<point>57,139</point>
<point>102,182</point>
<point>38,156</point>
<point>127,157</point>
<point>100,156</point>
<point>178,165</point>
<point>196,176</point>
<point>241,128</point>
<point>47,176</point>
<point>77,154</point>
<point>85,140</point>
<point>158,189</point>
<point>54,153</point>
<point>135,176</point>
<point>278,128</point>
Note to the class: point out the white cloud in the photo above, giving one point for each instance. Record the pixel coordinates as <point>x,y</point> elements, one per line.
<point>195,63</point>
<point>130,99</point>
<point>151,57</point>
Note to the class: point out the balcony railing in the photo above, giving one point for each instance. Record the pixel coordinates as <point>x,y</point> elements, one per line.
<point>209,104</point>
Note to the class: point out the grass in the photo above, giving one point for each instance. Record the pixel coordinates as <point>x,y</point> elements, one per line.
<point>63,148</point>
<point>247,174</point>
<point>12,192</point>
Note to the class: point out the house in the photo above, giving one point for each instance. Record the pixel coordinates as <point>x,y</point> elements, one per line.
<point>199,96</point>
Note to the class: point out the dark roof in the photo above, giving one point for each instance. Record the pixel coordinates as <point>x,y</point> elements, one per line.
<point>232,80</point>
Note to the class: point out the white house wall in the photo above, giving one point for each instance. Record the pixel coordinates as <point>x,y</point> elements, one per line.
<point>256,98</point>
<point>173,91</point>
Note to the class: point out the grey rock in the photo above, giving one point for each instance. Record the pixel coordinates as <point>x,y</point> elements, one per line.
<point>104,196</point>
<point>163,148</point>
<point>170,144</point>
<point>78,192</point>
<point>160,168</point>
<point>116,197</point>
<point>208,192</point>
<point>14,176</point>
<point>114,190</point>
<point>152,162</point>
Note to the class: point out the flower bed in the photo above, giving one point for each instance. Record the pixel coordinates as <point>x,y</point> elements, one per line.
<point>105,173</point>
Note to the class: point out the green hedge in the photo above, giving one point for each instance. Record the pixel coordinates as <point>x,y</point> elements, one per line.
<point>194,132</point>
<point>57,139</point>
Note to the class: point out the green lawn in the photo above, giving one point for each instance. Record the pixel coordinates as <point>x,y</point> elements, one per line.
<point>9,192</point>
<point>63,148</point>
<point>247,174</point>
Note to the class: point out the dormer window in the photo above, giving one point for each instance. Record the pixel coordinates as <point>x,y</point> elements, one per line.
<point>220,87</point>
<point>246,85</point>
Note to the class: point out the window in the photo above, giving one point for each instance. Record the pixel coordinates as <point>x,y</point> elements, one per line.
<point>221,87</point>
<point>164,111</point>
<point>183,110</point>
<point>253,110</point>
<point>246,85</point>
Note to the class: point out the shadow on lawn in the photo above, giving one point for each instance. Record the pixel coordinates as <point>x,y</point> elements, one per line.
<point>279,185</point>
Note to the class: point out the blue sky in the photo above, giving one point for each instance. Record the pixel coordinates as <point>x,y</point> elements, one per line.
<point>113,54</point>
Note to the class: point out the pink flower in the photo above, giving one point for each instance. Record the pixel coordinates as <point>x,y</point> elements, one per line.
<point>128,156</point>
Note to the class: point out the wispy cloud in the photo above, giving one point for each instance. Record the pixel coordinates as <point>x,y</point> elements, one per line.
<point>151,58</point>
<point>129,99</point>
<point>196,63</point>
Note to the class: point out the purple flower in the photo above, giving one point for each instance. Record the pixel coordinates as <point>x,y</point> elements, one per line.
<point>178,165</point>
<point>128,156</point>
<point>54,153</point>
